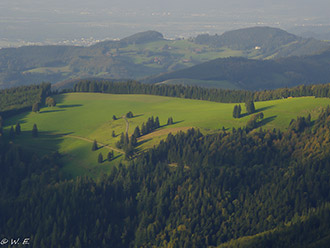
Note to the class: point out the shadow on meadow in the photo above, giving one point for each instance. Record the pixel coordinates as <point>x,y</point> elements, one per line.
<point>136,116</point>
<point>44,143</point>
<point>266,120</point>
<point>257,111</point>
<point>166,125</point>
<point>70,105</point>
<point>51,111</point>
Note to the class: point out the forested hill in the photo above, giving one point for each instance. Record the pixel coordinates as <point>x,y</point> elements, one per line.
<point>264,188</point>
<point>256,74</point>
<point>273,42</point>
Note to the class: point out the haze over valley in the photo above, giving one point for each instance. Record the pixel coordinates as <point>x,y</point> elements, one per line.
<point>25,22</point>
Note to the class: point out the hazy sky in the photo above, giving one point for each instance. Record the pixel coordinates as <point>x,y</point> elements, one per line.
<point>317,6</point>
<point>40,20</point>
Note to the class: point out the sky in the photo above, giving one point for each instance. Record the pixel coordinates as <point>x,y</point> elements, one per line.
<point>55,21</point>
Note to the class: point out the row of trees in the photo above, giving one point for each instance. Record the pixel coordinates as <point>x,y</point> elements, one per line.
<point>110,154</point>
<point>17,131</point>
<point>194,92</point>
<point>250,108</point>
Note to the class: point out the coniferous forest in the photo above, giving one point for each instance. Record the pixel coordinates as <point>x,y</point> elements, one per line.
<point>244,188</point>
<point>200,93</point>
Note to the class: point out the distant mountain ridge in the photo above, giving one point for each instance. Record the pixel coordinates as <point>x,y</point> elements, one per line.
<point>145,54</point>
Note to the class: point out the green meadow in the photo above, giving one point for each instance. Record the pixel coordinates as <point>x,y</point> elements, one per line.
<point>80,118</point>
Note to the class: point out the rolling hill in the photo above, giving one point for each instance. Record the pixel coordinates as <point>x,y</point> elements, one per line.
<point>144,54</point>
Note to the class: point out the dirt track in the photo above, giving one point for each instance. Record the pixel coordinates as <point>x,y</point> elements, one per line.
<point>91,141</point>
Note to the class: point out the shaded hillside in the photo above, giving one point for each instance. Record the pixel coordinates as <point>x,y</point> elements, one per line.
<point>265,40</point>
<point>258,74</point>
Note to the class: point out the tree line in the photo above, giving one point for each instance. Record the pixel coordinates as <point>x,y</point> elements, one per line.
<point>195,92</point>
<point>20,99</point>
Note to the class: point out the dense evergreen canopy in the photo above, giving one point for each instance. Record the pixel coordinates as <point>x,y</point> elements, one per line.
<point>190,191</point>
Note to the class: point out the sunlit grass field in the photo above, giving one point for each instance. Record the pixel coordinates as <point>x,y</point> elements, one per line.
<point>79,118</point>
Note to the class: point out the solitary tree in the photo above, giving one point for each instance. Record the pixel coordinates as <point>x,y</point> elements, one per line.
<point>18,129</point>
<point>35,107</point>
<point>110,156</point>
<point>100,158</point>
<point>129,114</point>
<point>35,130</point>
<point>94,146</point>
<point>50,102</point>
<point>113,134</point>
<point>114,117</point>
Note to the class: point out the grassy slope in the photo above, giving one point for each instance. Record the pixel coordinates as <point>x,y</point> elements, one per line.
<point>89,115</point>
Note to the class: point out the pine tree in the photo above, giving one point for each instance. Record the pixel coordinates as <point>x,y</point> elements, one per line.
<point>137,132</point>
<point>94,146</point>
<point>170,121</point>
<point>143,129</point>
<point>121,142</point>
<point>100,158</point>
<point>109,157</point>
<point>157,124</point>
<point>11,132</point>
<point>250,108</point>
<point>126,141</point>
<point>35,130</point>
<point>18,129</point>
<point>235,111</point>
<point>133,140</point>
